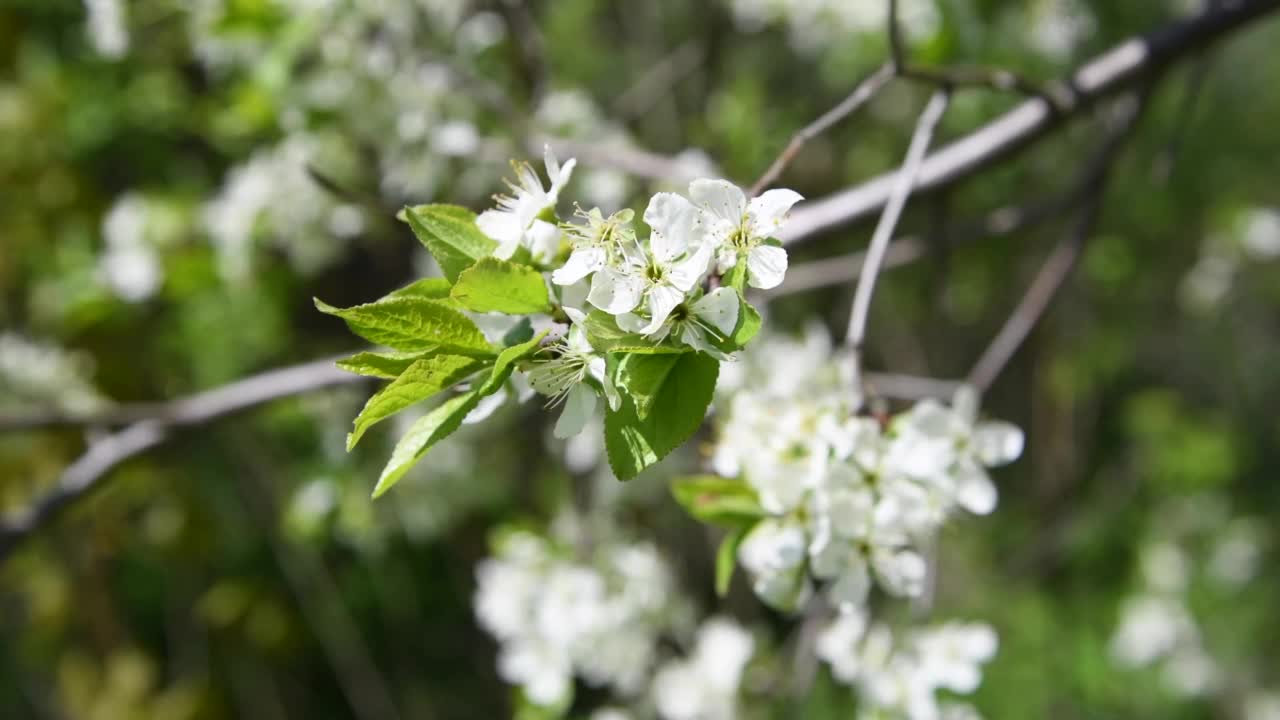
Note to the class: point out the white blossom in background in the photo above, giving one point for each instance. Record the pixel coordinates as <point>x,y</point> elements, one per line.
<point>1252,237</point>
<point>39,375</point>
<point>1262,705</point>
<point>1260,235</point>
<point>1196,538</point>
<point>815,25</point>
<point>849,499</point>
<point>704,686</point>
<point>107,28</point>
<point>272,199</point>
<point>1057,27</point>
<point>901,677</point>
<point>556,617</point>
<point>135,230</point>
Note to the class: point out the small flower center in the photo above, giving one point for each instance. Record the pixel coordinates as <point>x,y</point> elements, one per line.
<point>740,239</point>
<point>653,273</point>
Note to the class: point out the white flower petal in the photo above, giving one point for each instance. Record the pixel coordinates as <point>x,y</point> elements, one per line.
<point>721,198</point>
<point>672,219</point>
<point>688,272</point>
<point>581,263</point>
<point>694,337</point>
<point>486,407</point>
<point>997,443</point>
<point>766,266</point>
<point>578,408</point>
<point>500,225</point>
<point>543,239</point>
<point>974,490</point>
<point>769,210</point>
<point>662,300</point>
<point>615,292</point>
<point>719,309</point>
<point>901,572</point>
<point>630,322</point>
<point>849,591</point>
<point>575,295</point>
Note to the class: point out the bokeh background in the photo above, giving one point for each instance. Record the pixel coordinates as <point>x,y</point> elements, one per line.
<point>179,178</point>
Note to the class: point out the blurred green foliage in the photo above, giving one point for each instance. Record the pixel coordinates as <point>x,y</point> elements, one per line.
<point>241,570</point>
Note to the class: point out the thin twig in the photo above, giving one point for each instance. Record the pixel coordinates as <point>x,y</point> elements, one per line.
<point>1103,76</point>
<point>963,76</point>
<point>1004,220</point>
<point>658,80</point>
<point>908,387</point>
<point>960,77</point>
<point>1185,116</point>
<point>897,49</point>
<point>521,24</point>
<point>366,689</point>
<point>1053,274</point>
<point>626,158</point>
<point>197,408</point>
<point>1046,284</point>
<point>905,180</point>
<point>150,426</point>
<point>864,91</point>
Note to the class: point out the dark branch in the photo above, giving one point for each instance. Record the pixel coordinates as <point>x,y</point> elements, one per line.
<point>1102,77</point>
<point>861,94</point>
<point>149,425</point>
<point>1053,274</point>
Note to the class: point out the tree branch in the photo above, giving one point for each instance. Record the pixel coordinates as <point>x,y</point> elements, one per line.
<point>1104,76</point>
<point>861,94</point>
<point>148,426</point>
<point>903,184</point>
<point>1053,274</point>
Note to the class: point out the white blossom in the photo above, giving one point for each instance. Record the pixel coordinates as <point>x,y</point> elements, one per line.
<point>857,495</point>
<point>572,378</point>
<point>902,678</point>
<point>555,617</point>
<point>704,686</point>
<point>520,220</point>
<point>654,279</point>
<point>739,229</point>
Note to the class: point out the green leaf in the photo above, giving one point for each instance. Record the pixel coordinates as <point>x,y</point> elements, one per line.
<point>727,558</point>
<point>719,501</point>
<point>429,288</point>
<point>736,278</point>
<point>419,381</point>
<point>422,435</point>
<point>387,366</point>
<point>450,234</point>
<point>643,376</point>
<point>678,409</point>
<point>748,324</point>
<point>605,336</point>
<point>494,285</point>
<point>520,332</point>
<point>414,324</point>
<point>506,361</point>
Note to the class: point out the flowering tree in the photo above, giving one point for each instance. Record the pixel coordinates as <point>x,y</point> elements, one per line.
<point>654,344</point>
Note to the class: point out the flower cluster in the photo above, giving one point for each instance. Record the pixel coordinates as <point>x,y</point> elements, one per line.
<point>844,498</point>
<point>557,617</point>
<point>901,680</point>
<point>35,374</point>
<point>655,287</point>
<point>704,686</point>
<point>1197,549</point>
